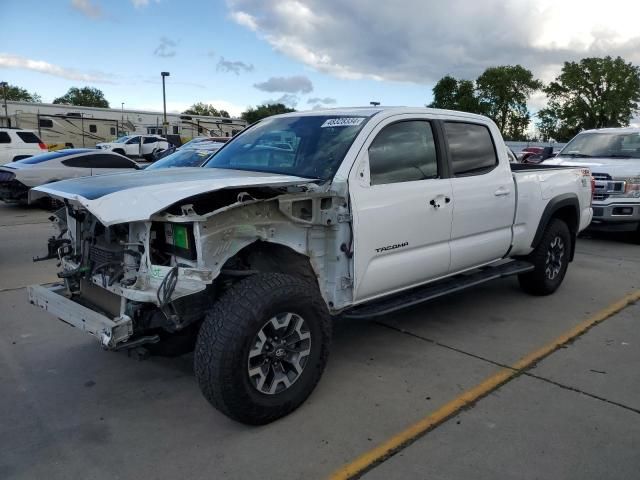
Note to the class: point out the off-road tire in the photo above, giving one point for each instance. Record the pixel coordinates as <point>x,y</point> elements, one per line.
<point>540,281</point>
<point>227,335</point>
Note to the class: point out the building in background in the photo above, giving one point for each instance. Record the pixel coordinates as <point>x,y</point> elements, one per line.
<point>61,126</point>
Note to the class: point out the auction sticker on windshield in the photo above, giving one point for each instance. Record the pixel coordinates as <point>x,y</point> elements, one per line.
<point>342,122</point>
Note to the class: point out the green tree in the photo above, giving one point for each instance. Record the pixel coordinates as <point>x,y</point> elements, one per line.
<point>548,124</point>
<point>503,92</point>
<point>593,93</point>
<point>444,93</point>
<point>206,110</point>
<point>252,115</point>
<point>454,94</point>
<point>18,94</point>
<point>83,97</point>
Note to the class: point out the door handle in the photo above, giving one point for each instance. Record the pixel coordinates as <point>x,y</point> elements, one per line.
<point>502,192</point>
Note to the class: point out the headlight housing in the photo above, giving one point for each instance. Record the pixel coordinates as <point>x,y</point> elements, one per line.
<point>631,187</point>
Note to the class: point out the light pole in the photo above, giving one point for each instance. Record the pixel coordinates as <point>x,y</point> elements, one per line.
<point>4,86</point>
<point>122,122</point>
<point>164,102</point>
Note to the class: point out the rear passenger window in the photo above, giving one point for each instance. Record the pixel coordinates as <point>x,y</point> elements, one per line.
<point>471,148</point>
<point>4,137</point>
<point>101,160</point>
<point>403,152</point>
<point>148,140</point>
<point>28,137</point>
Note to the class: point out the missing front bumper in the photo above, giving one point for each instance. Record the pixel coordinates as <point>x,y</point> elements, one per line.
<point>110,332</point>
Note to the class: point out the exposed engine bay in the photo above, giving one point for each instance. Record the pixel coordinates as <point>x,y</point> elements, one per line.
<point>159,276</point>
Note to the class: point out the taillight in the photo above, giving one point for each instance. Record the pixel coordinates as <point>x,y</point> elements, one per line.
<point>43,146</point>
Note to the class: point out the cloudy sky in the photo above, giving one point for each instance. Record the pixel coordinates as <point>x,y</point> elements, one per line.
<point>305,53</point>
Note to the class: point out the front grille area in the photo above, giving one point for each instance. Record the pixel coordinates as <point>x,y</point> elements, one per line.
<point>6,176</point>
<point>13,191</point>
<point>101,254</point>
<point>605,186</point>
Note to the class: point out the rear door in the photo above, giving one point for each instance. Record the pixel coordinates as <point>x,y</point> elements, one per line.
<point>149,144</point>
<point>133,148</point>
<point>484,195</point>
<point>401,205</point>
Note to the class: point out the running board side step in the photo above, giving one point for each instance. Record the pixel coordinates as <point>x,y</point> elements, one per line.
<point>431,291</point>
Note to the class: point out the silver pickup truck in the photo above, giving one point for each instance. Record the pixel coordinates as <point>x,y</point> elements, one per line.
<point>613,156</point>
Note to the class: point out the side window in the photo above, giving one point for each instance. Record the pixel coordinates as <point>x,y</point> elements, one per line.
<point>403,152</point>
<point>83,161</point>
<point>133,140</point>
<point>93,128</point>
<point>148,140</point>
<point>28,137</point>
<point>4,137</point>
<point>471,148</point>
<point>45,123</point>
<point>110,161</point>
<point>103,160</point>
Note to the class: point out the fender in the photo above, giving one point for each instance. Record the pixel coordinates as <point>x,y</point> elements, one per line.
<point>555,204</point>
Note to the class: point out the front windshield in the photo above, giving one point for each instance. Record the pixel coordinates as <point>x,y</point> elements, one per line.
<point>608,145</point>
<point>122,139</point>
<point>307,146</point>
<point>182,158</point>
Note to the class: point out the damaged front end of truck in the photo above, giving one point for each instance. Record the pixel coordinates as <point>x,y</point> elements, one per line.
<point>144,256</point>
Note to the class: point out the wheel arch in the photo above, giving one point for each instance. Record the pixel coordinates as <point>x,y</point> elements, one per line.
<point>271,257</point>
<point>565,207</point>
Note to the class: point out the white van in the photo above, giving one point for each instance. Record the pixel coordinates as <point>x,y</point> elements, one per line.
<point>16,144</point>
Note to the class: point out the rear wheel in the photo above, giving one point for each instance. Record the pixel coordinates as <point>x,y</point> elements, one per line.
<point>550,259</point>
<point>263,347</point>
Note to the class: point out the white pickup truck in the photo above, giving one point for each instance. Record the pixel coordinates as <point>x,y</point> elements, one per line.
<point>302,217</point>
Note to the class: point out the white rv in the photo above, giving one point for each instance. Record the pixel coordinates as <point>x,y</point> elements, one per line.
<point>61,126</point>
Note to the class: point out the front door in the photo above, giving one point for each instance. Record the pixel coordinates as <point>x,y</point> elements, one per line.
<point>402,209</point>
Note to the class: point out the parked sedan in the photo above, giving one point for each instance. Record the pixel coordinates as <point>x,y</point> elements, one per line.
<point>17,178</point>
<point>189,157</point>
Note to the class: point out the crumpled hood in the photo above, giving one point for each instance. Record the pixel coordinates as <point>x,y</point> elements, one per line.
<point>616,167</point>
<point>130,197</point>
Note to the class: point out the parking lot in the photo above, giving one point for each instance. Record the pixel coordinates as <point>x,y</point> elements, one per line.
<point>452,389</point>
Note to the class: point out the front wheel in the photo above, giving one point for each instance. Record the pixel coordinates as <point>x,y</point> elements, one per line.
<point>550,259</point>
<point>263,347</point>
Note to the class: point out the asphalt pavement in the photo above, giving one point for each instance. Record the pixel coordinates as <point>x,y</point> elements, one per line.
<point>71,410</point>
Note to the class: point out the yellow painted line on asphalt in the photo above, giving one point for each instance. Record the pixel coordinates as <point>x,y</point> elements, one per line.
<point>394,444</point>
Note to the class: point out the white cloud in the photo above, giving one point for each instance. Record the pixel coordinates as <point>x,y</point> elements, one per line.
<point>88,8</point>
<point>288,99</point>
<point>420,41</point>
<point>294,84</point>
<point>166,48</point>
<point>233,66</point>
<point>22,63</point>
